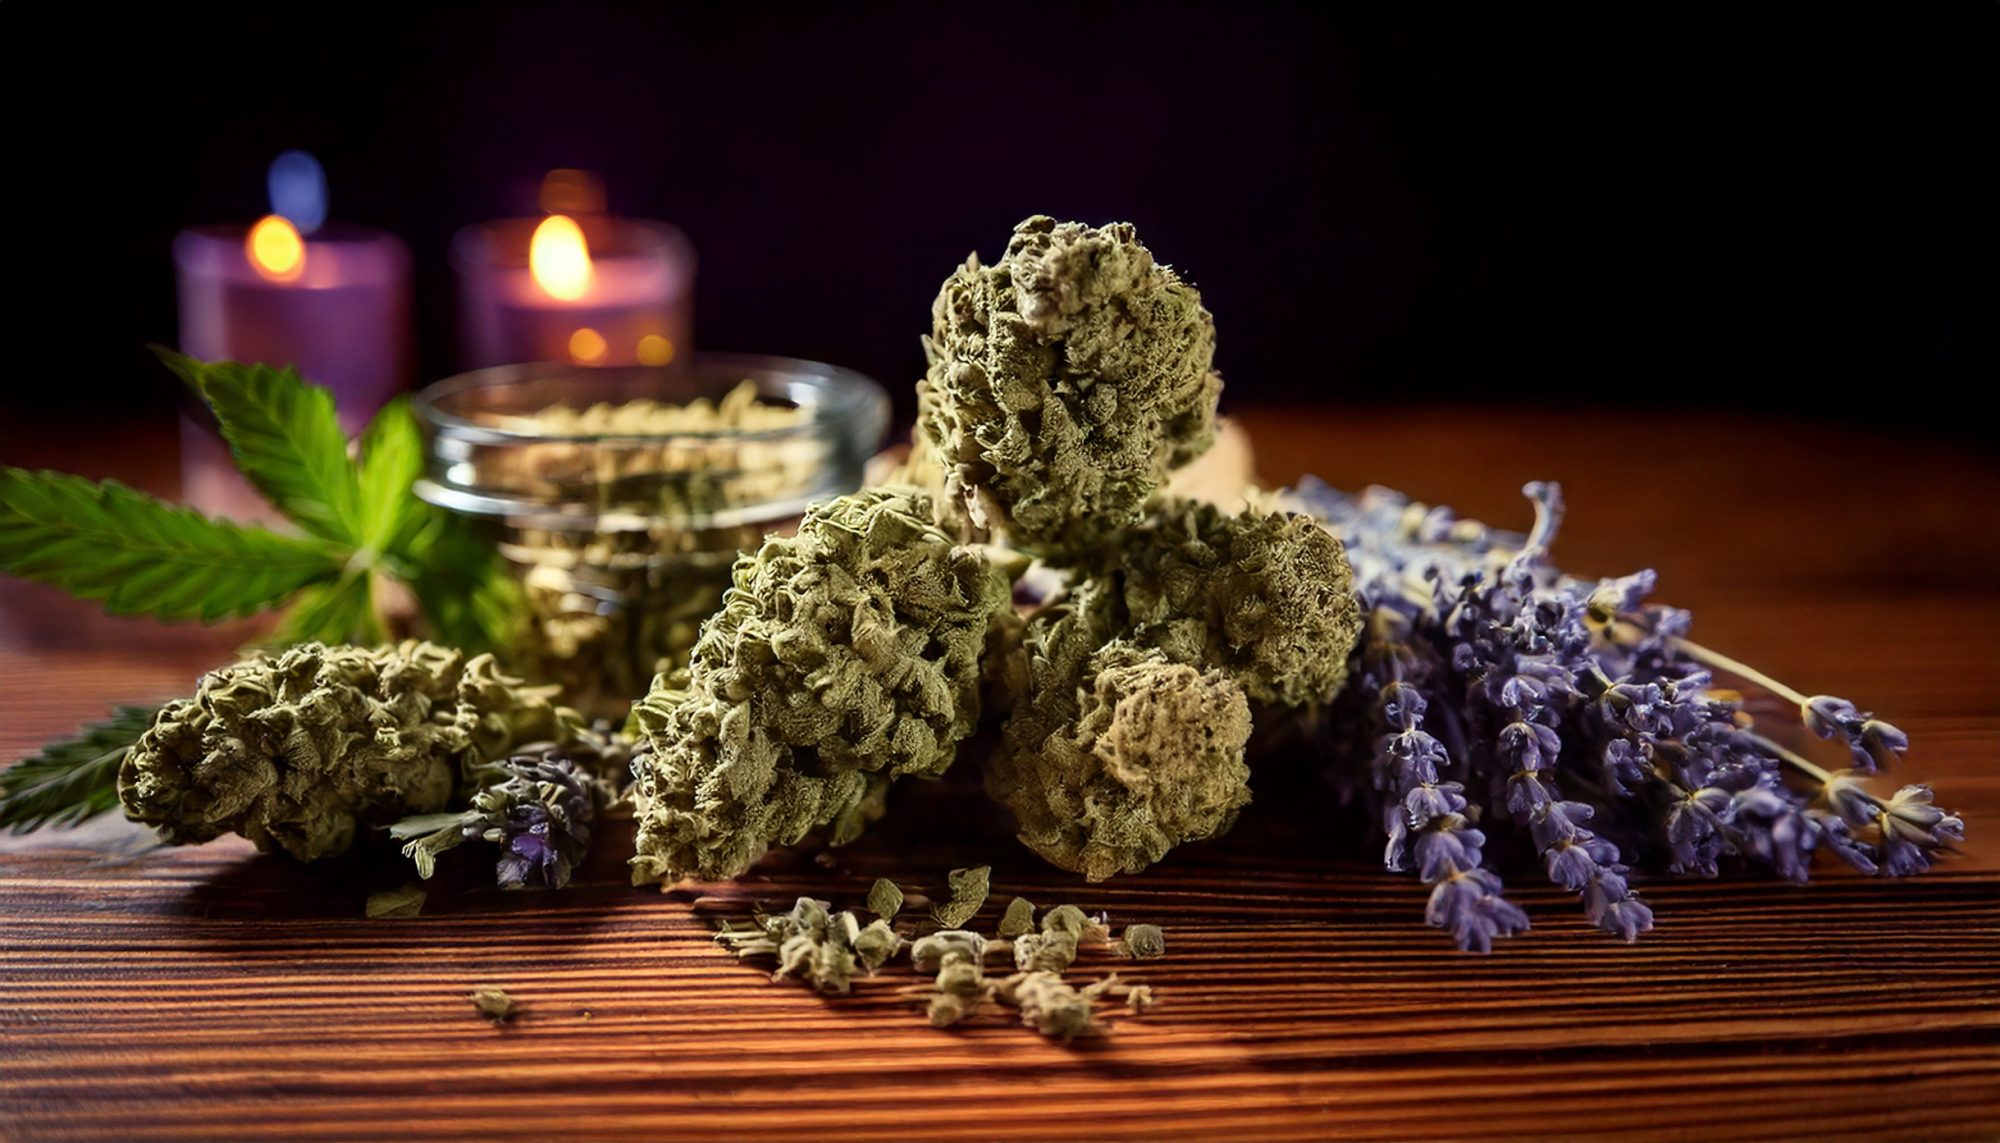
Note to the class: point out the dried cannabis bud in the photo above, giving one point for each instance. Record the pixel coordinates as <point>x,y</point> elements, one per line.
<point>1054,949</point>
<point>968,895</point>
<point>825,949</point>
<point>844,657</point>
<point>1117,754</point>
<point>1065,382</point>
<point>1143,942</point>
<point>1263,596</point>
<point>301,750</point>
<point>885,899</point>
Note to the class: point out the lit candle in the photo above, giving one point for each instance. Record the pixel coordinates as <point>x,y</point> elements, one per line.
<point>575,285</point>
<point>331,300</point>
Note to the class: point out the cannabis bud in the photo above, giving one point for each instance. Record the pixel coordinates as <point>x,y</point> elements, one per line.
<point>843,657</point>
<point>1118,754</point>
<point>1267,597</point>
<point>300,750</point>
<point>1065,382</point>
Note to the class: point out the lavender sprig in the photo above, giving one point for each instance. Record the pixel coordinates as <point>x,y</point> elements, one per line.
<point>537,806</point>
<point>1581,714</point>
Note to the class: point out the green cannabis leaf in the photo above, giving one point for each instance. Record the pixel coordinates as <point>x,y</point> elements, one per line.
<point>364,527</point>
<point>111,542</point>
<point>338,612</point>
<point>392,457</point>
<point>366,535</point>
<point>71,780</point>
<point>286,438</point>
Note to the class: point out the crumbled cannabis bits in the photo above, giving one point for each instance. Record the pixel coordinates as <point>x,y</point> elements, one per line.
<point>1054,949</point>
<point>299,751</point>
<point>1139,999</point>
<point>958,958</point>
<point>827,950</point>
<point>608,606</point>
<point>843,657</point>
<point>1065,382</point>
<point>1052,1007</point>
<point>1142,942</point>
<point>968,895</point>
<point>1018,920</point>
<point>400,903</point>
<point>885,899</point>
<point>493,1003</point>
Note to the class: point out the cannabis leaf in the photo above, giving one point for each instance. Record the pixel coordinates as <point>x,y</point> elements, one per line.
<point>338,612</point>
<point>392,457</point>
<point>286,438</point>
<point>72,780</point>
<point>112,542</point>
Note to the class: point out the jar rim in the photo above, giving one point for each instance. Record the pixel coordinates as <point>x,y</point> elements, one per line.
<point>846,418</point>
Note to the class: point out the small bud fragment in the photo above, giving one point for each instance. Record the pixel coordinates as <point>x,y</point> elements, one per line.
<point>1019,920</point>
<point>493,1003</point>
<point>1143,942</point>
<point>968,895</point>
<point>885,899</point>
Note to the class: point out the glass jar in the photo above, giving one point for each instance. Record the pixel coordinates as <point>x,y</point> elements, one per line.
<point>623,542</point>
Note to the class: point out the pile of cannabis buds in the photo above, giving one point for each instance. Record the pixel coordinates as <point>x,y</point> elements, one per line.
<point>1451,677</point>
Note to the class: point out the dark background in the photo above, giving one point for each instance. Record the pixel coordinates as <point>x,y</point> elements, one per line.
<point>1784,208</point>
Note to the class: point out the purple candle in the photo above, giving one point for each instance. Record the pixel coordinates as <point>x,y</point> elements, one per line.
<point>332,301</point>
<point>583,288</point>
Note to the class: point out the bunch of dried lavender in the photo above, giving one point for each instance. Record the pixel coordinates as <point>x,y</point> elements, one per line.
<point>1495,689</point>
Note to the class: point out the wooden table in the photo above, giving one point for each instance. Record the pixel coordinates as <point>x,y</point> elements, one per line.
<point>208,993</point>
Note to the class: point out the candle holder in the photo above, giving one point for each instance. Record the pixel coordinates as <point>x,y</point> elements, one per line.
<point>623,543</point>
<point>340,315</point>
<point>634,305</point>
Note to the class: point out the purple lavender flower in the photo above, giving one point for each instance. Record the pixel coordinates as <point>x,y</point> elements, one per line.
<point>540,816</point>
<point>1506,693</point>
<point>537,806</point>
<point>1468,905</point>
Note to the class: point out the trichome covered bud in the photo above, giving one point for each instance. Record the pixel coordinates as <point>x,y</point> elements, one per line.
<point>1267,597</point>
<point>301,750</point>
<point>1065,382</point>
<point>843,657</point>
<point>1118,754</point>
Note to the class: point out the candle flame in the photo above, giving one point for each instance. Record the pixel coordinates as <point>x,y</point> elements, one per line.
<point>559,258</point>
<point>275,249</point>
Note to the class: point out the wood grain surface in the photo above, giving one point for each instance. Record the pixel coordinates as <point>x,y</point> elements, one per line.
<point>209,993</point>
